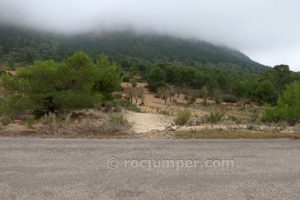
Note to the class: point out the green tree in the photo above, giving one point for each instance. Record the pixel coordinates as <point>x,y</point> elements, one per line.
<point>266,92</point>
<point>108,75</point>
<point>164,93</point>
<point>48,86</point>
<point>280,75</point>
<point>156,78</point>
<point>288,106</point>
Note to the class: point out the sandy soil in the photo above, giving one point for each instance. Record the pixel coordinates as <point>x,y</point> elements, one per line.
<point>147,122</point>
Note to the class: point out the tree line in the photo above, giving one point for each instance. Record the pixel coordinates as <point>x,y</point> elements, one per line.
<point>81,82</point>
<point>49,86</point>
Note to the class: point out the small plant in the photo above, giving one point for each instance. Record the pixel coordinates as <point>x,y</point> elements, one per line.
<point>128,106</point>
<point>250,127</point>
<point>68,119</point>
<point>118,120</point>
<point>107,107</point>
<point>29,121</point>
<point>194,132</point>
<point>116,124</point>
<point>164,112</point>
<point>183,117</point>
<point>50,120</point>
<point>255,116</point>
<point>213,117</point>
<point>117,108</point>
<point>229,99</point>
<point>235,119</point>
<point>133,82</point>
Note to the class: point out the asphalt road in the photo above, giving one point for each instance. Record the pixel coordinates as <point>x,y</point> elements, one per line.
<point>144,169</point>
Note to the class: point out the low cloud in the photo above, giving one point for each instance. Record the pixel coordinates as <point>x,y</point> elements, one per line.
<point>266,30</point>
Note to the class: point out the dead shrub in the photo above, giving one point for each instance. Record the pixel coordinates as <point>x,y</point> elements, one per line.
<point>183,117</point>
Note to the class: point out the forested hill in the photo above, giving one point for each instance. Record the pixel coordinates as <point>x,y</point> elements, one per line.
<point>20,46</point>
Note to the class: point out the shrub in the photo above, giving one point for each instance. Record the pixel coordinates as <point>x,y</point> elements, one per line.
<point>5,120</point>
<point>12,106</point>
<point>118,120</point>
<point>288,106</point>
<point>235,119</point>
<point>128,105</point>
<point>116,124</point>
<point>183,117</point>
<point>108,75</point>
<point>213,117</point>
<point>68,119</point>
<point>107,107</point>
<point>164,112</point>
<point>204,94</point>
<point>49,119</point>
<point>156,79</point>
<point>133,82</point>
<point>217,95</point>
<point>29,121</point>
<point>48,86</point>
<point>229,99</point>
<point>164,93</point>
<point>266,92</point>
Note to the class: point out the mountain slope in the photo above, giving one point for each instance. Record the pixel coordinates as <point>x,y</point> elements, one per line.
<point>23,46</point>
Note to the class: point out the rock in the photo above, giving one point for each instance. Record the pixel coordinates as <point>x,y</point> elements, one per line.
<point>171,127</point>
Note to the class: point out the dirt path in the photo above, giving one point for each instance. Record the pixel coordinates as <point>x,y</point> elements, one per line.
<point>147,122</point>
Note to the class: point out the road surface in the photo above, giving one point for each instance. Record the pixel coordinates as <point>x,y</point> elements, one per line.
<point>37,169</point>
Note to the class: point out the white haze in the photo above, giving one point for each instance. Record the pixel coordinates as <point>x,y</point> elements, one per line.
<point>268,31</point>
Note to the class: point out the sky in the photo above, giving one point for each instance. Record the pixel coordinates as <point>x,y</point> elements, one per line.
<point>268,31</point>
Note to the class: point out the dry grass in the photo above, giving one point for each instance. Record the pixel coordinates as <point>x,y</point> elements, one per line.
<point>84,123</point>
<point>222,134</point>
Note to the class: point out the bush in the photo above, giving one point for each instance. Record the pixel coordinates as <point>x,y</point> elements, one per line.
<point>164,112</point>
<point>164,93</point>
<point>229,99</point>
<point>213,117</point>
<point>266,92</point>
<point>128,105</point>
<point>116,124</point>
<point>118,120</point>
<point>107,107</point>
<point>29,121</point>
<point>183,117</point>
<point>288,106</point>
<point>5,120</point>
<point>48,86</point>
<point>156,79</point>
<point>48,119</point>
<point>133,82</point>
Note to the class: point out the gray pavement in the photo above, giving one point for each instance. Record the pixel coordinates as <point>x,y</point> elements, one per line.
<point>148,169</point>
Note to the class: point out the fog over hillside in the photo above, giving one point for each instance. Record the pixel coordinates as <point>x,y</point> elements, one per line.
<point>265,30</point>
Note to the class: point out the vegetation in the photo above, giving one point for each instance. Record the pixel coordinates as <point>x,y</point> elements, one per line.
<point>21,46</point>
<point>156,79</point>
<point>183,117</point>
<point>128,105</point>
<point>288,106</point>
<point>50,80</point>
<point>50,87</point>
<point>213,117</point>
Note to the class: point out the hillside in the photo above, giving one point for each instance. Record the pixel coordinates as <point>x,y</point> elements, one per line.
<point>23,46</point>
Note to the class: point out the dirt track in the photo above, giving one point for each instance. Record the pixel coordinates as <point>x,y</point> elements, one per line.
<point>147,122</point>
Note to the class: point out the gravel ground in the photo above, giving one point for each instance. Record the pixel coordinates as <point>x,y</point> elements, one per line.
<point>36,169</point>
